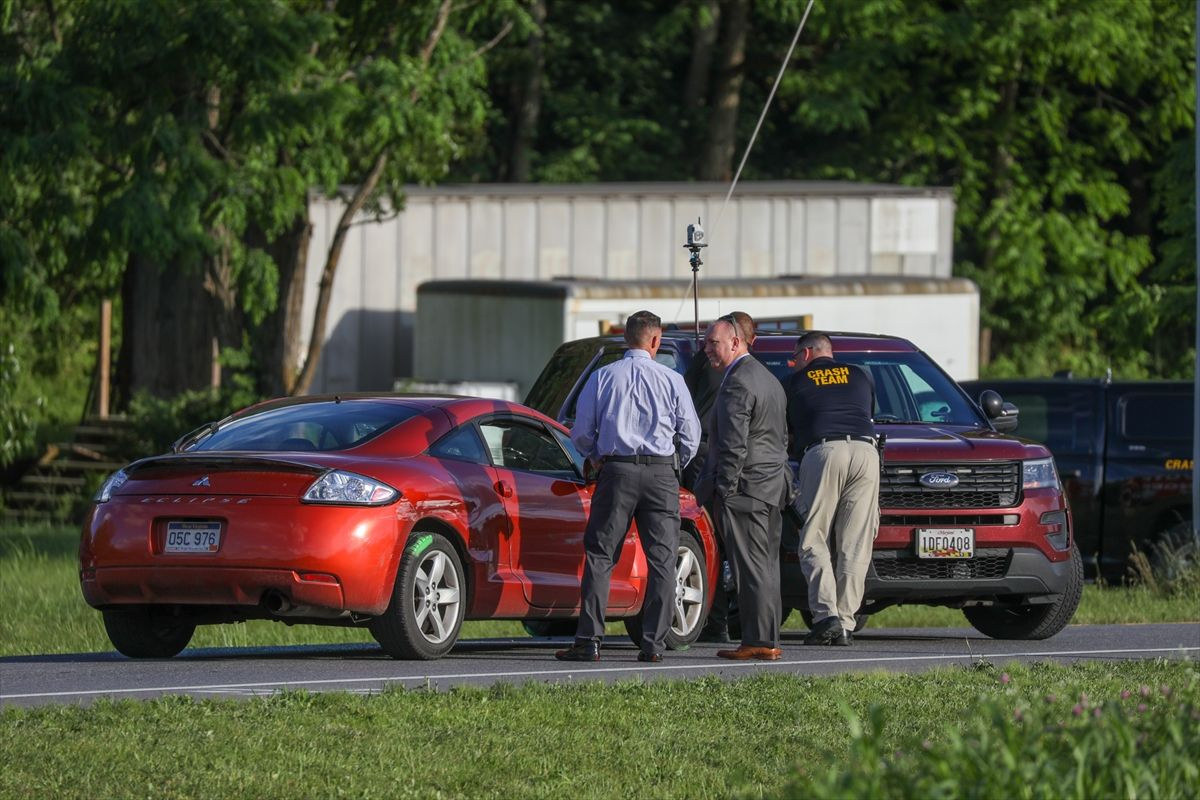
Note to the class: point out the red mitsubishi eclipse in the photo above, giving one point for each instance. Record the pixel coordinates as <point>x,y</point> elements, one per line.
<point>404,514</point>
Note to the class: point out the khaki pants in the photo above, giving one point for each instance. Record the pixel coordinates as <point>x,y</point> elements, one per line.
<point>839,487</point>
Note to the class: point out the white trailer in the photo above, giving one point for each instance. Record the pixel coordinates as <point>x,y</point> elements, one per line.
<point>505,331</point>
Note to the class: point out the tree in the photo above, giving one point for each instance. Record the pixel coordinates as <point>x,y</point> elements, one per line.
<point>1059,124</point>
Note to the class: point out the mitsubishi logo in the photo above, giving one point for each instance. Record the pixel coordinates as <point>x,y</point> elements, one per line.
<point>201,482</point>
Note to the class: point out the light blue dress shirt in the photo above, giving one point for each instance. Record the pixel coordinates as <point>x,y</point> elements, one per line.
<point>635,407</point>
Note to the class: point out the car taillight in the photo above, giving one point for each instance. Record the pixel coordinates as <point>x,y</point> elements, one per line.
<point>338,487</point>
<point>114,482</point>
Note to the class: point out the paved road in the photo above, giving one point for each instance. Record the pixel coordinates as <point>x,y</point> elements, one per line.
<point>248,672</point>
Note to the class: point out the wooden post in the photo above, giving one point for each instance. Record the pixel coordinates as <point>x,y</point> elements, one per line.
<point>105,357</point>
<point>216,363</point>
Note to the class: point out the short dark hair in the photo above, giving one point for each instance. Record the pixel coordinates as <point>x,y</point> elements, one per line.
<point>745,324</point>
<point>818,341</point>
<point>640,326</point>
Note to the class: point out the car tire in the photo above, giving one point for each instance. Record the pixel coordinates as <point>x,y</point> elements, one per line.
<point>688,610</point>
<point>1031,621</point>
<point>141,634</point>
<point>428,603</point>
<point>550,627</point>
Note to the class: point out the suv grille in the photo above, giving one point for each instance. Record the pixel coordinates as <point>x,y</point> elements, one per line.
<point>979,486</point>
<point>986,564</point>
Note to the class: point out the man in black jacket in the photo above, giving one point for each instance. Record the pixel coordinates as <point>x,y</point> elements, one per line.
<point>830,408</point>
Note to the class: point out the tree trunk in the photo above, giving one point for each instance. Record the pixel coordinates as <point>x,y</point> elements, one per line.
<point>704,36</point>
<point>276,340</point>
<point>717,162</point>
<point>529,101</point>
<point>167,335</point>
<point>316,339</point>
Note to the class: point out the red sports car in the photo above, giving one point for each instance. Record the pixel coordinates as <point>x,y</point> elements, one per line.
<point>406,514</point>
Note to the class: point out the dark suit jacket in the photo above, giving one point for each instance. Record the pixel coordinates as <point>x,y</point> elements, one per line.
<point>746,442</point>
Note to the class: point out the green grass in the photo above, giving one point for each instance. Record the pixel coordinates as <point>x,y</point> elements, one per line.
<point>766,736</point>
<point>44,612</point>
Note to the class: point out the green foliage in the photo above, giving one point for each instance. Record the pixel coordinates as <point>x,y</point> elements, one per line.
<point>1143,743</point>
<point>1063,128</point>
<point>707,738</point>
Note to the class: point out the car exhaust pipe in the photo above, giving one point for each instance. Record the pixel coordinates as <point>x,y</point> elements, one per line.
<point>278,604</point>
<point>275,602</point>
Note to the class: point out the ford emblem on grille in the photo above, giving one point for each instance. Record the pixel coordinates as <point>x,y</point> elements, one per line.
<point>939,480</point>
<point>204,481</point>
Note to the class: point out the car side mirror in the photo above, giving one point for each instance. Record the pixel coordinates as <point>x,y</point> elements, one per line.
<point>1003,416</point>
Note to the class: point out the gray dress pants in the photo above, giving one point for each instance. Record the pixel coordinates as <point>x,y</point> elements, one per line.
<point>648,493</point>
<point>752,530</point>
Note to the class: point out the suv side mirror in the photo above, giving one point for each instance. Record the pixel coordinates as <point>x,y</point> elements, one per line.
<point>1003,416</point>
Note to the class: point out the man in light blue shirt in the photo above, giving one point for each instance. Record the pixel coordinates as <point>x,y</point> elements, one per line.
<point>628,419</point>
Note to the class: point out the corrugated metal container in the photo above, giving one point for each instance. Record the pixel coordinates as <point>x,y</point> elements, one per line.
<point>630,232</point>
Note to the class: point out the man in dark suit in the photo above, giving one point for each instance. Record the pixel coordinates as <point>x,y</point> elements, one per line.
<point>745,477</point>
<point>703,380</point>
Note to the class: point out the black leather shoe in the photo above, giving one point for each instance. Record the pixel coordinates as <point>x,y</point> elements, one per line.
<point>828,631</point>
<point>580,651</point>
<point>650,658</point>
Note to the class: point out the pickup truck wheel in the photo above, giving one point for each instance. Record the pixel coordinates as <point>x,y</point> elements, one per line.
<point>1031,621</point>
<point>428,602</point>
<point>140,634</point>
<point>690,590</point>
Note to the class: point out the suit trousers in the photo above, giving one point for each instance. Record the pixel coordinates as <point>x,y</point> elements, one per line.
<point>624,492</point>
<point>839,487</point>
<point>752,529</point>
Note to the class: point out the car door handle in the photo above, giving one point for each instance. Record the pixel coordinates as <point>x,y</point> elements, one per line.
<point>503,489</point>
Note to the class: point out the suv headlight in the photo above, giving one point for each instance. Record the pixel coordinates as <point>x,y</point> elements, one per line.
<point>347,488</point>
<point>110,485</point>
<point>1039,473</point>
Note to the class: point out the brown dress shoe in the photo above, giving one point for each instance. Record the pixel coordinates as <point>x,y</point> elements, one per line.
<point>746,652</point>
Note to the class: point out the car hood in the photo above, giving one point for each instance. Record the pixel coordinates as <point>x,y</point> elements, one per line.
<point>952,443</point>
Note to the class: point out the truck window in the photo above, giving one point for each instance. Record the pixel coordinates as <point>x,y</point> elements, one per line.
<point>1146,415</point>
<point>550,390</point>
<point>664,356</point>
<point>1062,418</point>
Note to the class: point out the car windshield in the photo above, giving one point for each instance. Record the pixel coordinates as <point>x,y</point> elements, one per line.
<point>307,427</point>
<point>908,388</point>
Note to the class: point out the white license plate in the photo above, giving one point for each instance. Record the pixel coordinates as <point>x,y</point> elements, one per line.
<point>192,537</point>
<point>945,543</point>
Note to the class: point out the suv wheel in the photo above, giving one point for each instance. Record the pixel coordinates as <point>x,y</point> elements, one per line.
<point>1031,621</point>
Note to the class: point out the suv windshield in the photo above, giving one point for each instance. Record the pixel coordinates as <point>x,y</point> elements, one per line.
<point>308,426</point>
<point>908,387</point>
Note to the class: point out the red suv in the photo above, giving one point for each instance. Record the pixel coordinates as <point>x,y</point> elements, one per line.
<point>950,473</point>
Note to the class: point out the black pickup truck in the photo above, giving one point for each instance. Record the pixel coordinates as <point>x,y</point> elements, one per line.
<point>1123,451</point>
